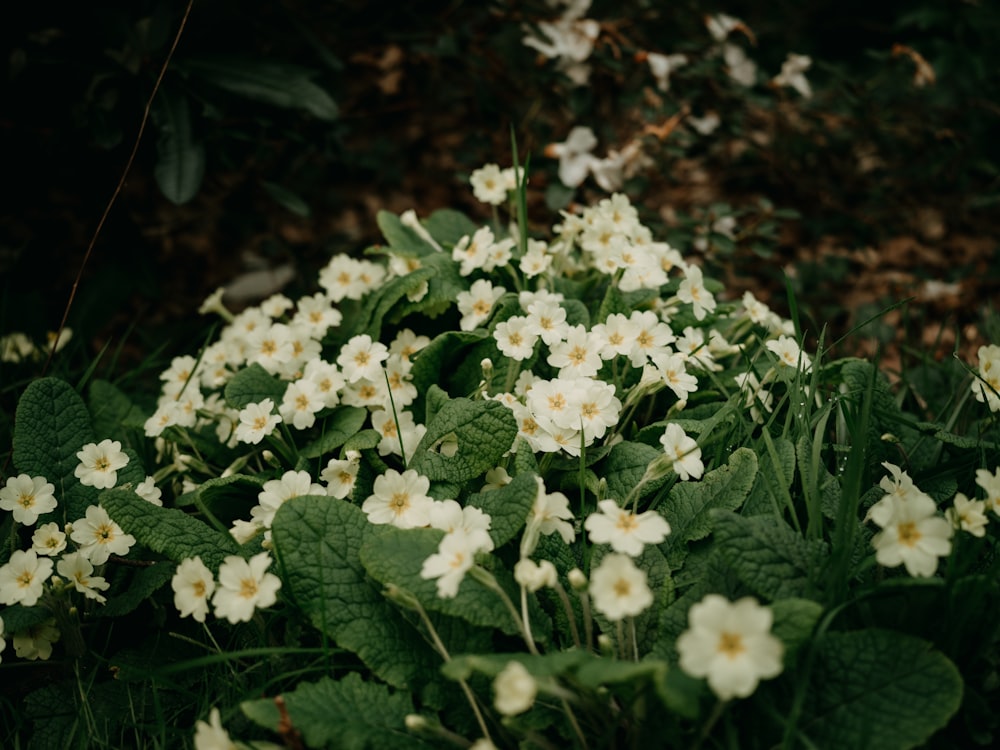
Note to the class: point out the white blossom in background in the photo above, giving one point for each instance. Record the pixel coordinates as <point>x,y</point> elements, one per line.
<point>77,569</point>
<point>193,585</point>
<point>455,555</point>
<point>662,66</point>
<point>574,155</point>
<point>990,482</point>
<point>36,642</point>
<point>730,644</point>
<point>625,531</point>
<point>534,576</point>
<point>514,689</point>
<point>476,303</point>
<point>968,515</point>
<point>48,540</point>
<point>569,40</point>
<point>986,387</point>
<point>683,452</point>
<point>790,355</point>
<point>912,534</point>
<point>618,588</point>
<point>792,74</point>
<point>489,185</point>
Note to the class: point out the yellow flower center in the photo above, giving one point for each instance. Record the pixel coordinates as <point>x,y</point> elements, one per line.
<point>248,588</point>
<point>731,644</point>
<point>909,534</point>
<point>26,500</point>
<point>400,502</point>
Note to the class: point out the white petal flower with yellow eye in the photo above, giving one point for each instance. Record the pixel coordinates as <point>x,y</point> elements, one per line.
<point>731,644</point>
<point>514,689</point>
<point>193,586</point>
<point>23,577</point>
<point>618,588</point>
<point>625,531</point>
<point>27,498</point>
<point>79,570</point>
<point>399,499</point>
<point>245,586</point>
<point>99,537</point>
<point>99,464</point>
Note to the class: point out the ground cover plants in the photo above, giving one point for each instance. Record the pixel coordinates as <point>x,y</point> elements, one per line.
<point>527,475</point>
<point>490,487</point>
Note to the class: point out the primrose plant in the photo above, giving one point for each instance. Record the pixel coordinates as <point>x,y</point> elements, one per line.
<point>486,488</point>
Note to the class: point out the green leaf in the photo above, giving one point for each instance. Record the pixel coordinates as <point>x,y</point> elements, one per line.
<point>111,410</point>
<point>141,586</point>
<point>483,431</point>
<point>794,622</point>
<point>278,84</point>
<point>624,467</point>
<point>380,302</point>
<point>879,689</point>
<point>508,507</point>
<point>317,541</point>
<point>770,557</point>
<point>18,618</point>
<point>169,531</point>
<point>285,197</point>
<point>349,714</point>
<point>689,505</point>
<point>433,364</point>
<point>180,163</point>
<point>51,425</point>
<point>228,498</point>
<point>338,428</point>
<point>396,557</point>
<point>774,479</point>
<point>251,385</point>
<point>402,239</point>
<point>448,226</point>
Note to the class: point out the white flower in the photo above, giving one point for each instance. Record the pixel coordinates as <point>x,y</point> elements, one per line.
<point>731,644</point>
<point>536,260</point>
<point>692,290</point>
<point>256,422</point>
<point>399,499</point>
<point>652,336</point>
<point>789,354</point>
<point>578,356</point>
<point>407,343</point>
<point>986,387</point>
<point>489,185</point>
<point>968,515</point>
<point>618,588</point>
<point>449,516</point>
<point>340,476</point>
<point>78,569</point>
<point>454,557</point>
<point>549,514</point>
<point>625,531</point>
<point>99,464</point>
<point>193,586</point>
<point>574,155</point>
<point>362,358</point>
<point>270,346</point>
<point>514,337</point>
<point>148,491</point>
<point>991,484</point>
<point>244,586</point>
<point>23,577</point>
<point>672,369</point>
<point>27,498</point>
<point>300,403</point>
<point>793,74</point>
<point>48,540</point>
<point>99,537</point>
<point>327,379</point>
<point>276,492</point>
<point>683,452</point>
<point>913,535</point>
<point>35,642</point>
<point>661,66</point>
<point>534,576</point>
<point>476,304</point>
<point>741,68</point>
<point>211,735</point>
<point>514,689</point>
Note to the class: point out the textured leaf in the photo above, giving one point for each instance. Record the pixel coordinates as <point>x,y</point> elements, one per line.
<point>380,302</point>
<point>349,714</point>
<point>624,467</point>
<point>278,84</point>
<point>433,364</point>
<point>508,507</point>
<point>483,430</point>
<point>251,385</point>
<point>169,531</point>
<point>448,226</point>
<point>317,542</point>
<point>228,498</point>
<point>396,556</point>
<point>141,587</point>
<point>794,622</point>
<point>51,425</point>
<point>180,164</point>
<point>18,618</point>
<point>689,505</point>
<point>337,428</point>
<point>111,411</point>
<point>770,557</point>
<point>878,689</point>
